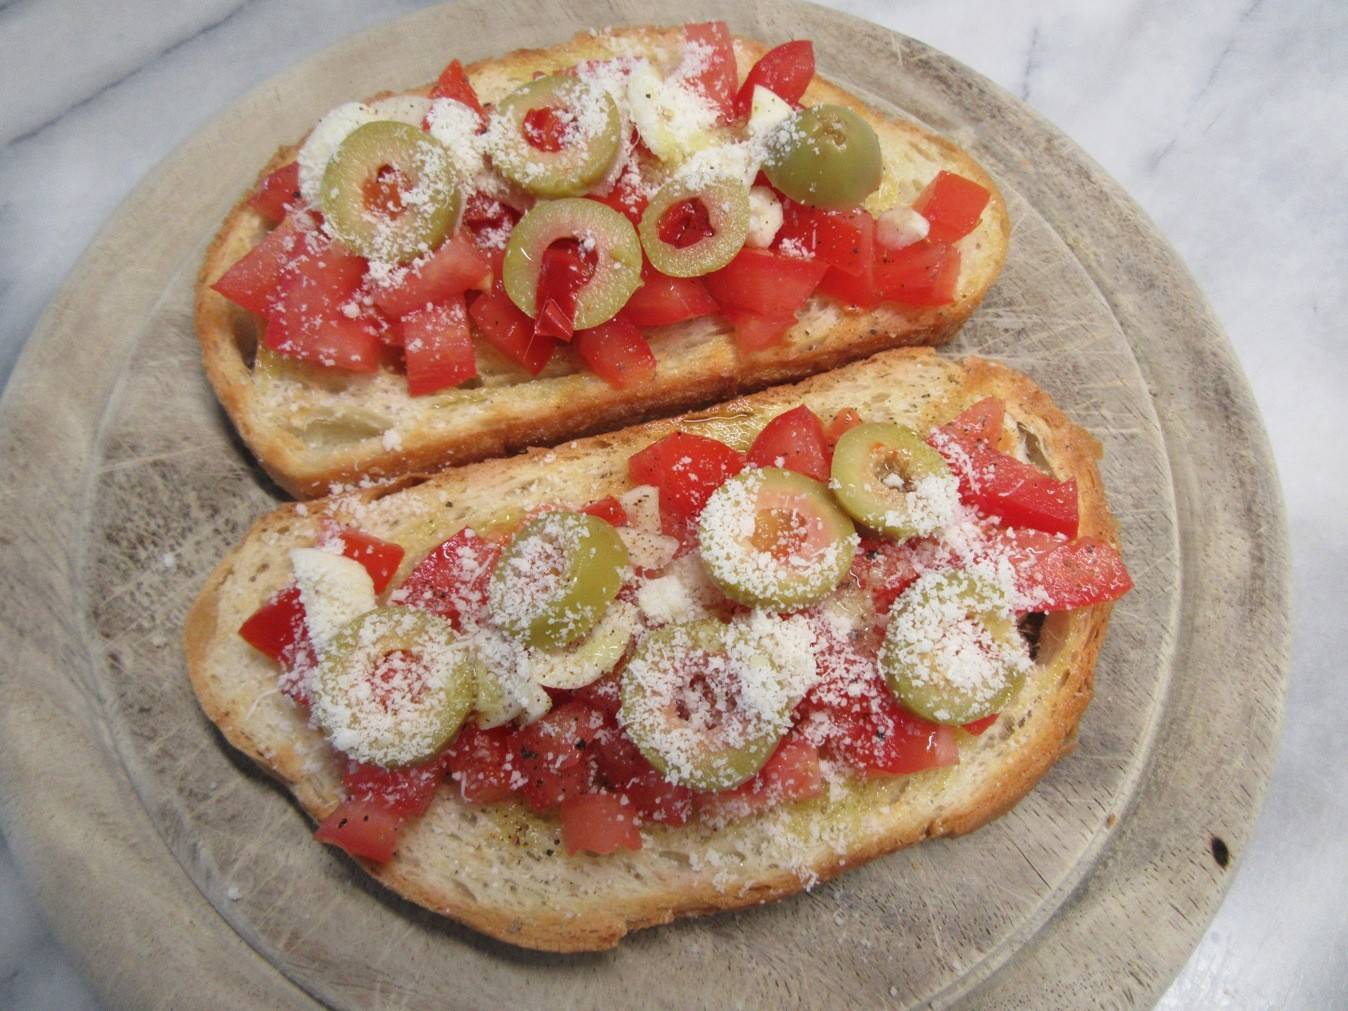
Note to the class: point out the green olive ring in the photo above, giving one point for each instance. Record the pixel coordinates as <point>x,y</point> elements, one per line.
<point>432,198</point>
<point>827,156</point>
<point>862,460</point>
<point>727,204</point>
<point>570,171</point>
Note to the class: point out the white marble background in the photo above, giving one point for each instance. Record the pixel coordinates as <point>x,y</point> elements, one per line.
<point>1223,118</point>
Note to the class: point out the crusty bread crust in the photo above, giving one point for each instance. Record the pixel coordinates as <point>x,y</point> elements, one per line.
<point>501,869</point>
<point>289,426</point>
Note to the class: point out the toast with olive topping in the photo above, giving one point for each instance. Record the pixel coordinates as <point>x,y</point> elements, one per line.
<point>501,868</point>
<point>316,428</point>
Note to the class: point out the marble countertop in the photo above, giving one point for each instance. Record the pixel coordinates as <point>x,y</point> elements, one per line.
<point>1223,119</point>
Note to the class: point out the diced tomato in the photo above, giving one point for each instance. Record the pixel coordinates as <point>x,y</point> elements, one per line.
<point>785,70</point>
<point>685,224</point>
<point>718,78</point>
<point>662,299</point>
<point>884,569</point>
<point>765,283</point>
<point>310,317</point>
<point>275,626</point>
<point>982,422</point>
<point>380,558</point>
<point>563,273</point>
<point>978,726</point>
<point>628,197</point>
<point>511,332</point>
<point>453,83</point>
<point>437,347</point>
<point>754,332</point>
<point>452,580</point>
<point>363,829</point>
<point>845,420</point>
<point>658,800</point>
<point>844,240</point>
<point>276,192</point>
<point>625,771</point>
<point>252,281</point>
<point>873,734</point>
<point>1058,575</point>
<point>456,266</point>
<point>599,823</point>
<point>794,440</point>
<point>952,204</point>
<point>604,694</point>
<point>482,762</point>
<point>686,469</point>
<point>792,773</point>
<point>406,791</point>
<point>617,352</point>
<point>608,509</point>
<point>857,290</point>
<point>556,754</point>
<point>923,274</point>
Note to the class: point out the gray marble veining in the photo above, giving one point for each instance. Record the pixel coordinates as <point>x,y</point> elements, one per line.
<point>1222,118</point>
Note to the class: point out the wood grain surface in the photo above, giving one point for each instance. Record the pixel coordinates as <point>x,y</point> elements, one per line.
<point>123,484</point>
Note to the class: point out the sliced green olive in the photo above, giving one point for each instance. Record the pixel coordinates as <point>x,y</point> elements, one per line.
<point>773,538</point>
<point>412,215</point>
<point>617,269</point>
<point>888,479</point>
<point>727,204</point>
<point>393,687</point>
<point>556,578</point>
<point>704,707</point>
<point>591,658</point>
<point>826,156</point>
<point>591,136</point>
<point>504,691</point>
<point>952,653</point>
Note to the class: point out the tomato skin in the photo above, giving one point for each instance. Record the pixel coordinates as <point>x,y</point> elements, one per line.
<point>452,579</point>
<point>792,773</point>
<point>793,440</point>
<point>455,267</point>
<point>978,726</point>
<point>274,627</point>
<point>628,197</point>
<point>453,83</point>
<point>923,274</point>
<point>306,319</point>
<point>483,763</point>
<point>845,420</point>
<point>952,205</point>
<point>276,192</point>
<point>556,754</point>
<point>1059,575</point>
<point>785,70</point>
<point>719,78</point>
<point>437,347</point>
<point>563,273</point>
<point>845,240</point>
<point>380,558</point>
<point>686,469</point>
<point>252,281</point>
<point>1017,493</point>
<point>363,829</point>
<point>982,422</point>
<point>510,331</point>
<point>617,352</point>
<point>406,791</point>
<point>608,509</point>
<point>765,283</point>
<point>599,823</point>
<point>662,300</point>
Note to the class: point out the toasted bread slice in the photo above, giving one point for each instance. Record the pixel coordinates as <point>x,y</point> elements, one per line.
<point>313,431</point>
<point>500,869</point>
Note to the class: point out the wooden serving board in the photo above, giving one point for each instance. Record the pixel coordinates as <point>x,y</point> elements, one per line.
<point>181,877</point>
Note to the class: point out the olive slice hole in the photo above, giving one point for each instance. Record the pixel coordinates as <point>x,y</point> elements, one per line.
<point>383,191</point>
<point>785,533</point>
<point>546,127</point>
<point>686,223</point>
<point>396,674</point>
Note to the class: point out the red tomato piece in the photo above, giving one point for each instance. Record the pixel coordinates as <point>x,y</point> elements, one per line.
<point>923,274</point>
<point>452,580</point>
<point>765,283</point>
<point>884,569</point>
<point>275,626</point>
<point>794,440</point>
<point>599,823</point>
<point>1059,575</point>
<point>544,129</point>
<point>455,267</point>
<point>981,422</point>
<point>311,318</point>
<point>662,300</point>
<point>363,829</point>
<point>857,290</point>
<point>380,558</point>
<point>608,509</point>
<point>511,332</point>
<point>978,726</point>
<point>952,204</point>
<point>277,192</point>
<point>754,332</point>
<point>563,273</point>
<point>556,754</point>
<point>718,76</point>
<point>405,791</point>
<point>453,83</point>
<point>792,773</point>
<point>844,240</point>
<point>846,419</point>
<point>252,281</point>
<point>617,352</point>
<point>628,197</point>
<point>437,347</point>
<point>657,799</point>
<point>686,223</point>
<point>785,70</point>
<point>483,763</point>
<point>686,469</point>
<point>604,695</point>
